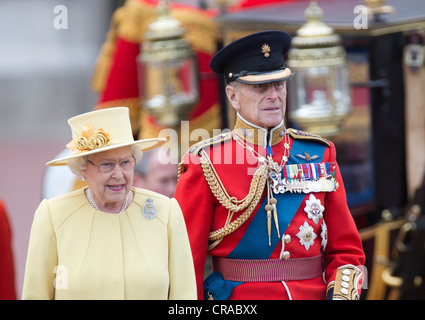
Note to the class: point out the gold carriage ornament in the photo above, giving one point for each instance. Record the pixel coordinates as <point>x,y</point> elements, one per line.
<point>167,70</point>
<point>319,94</point>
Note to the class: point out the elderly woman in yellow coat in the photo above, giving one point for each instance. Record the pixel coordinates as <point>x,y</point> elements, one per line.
<point>108,240</point>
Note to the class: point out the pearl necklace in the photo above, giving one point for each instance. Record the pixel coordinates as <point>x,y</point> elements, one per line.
<point>94,205</point>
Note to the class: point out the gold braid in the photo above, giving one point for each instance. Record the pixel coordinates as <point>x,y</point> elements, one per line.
<point>258,183</point>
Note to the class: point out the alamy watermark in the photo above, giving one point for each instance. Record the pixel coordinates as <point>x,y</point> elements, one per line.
<point>60,20</point>
<point>185,139</point>
<point>361,17</point>
<point>61,278</point>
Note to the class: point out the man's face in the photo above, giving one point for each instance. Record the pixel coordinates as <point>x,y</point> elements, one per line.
<point>160,177</point>
<point>261,104</point>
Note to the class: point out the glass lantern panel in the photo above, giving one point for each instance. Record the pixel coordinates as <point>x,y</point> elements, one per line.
<point>162,83</point>
<point>181,82</point>
<point>341,93</point>
<point>150,83</point>
<point>319,92</point>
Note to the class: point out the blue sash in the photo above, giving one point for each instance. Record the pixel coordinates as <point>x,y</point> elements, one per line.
<point>254,243</point>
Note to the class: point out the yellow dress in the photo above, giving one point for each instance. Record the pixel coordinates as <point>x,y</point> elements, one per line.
<point>77,252</point>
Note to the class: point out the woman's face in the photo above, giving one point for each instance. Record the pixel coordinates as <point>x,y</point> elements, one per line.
<point>109,175</point>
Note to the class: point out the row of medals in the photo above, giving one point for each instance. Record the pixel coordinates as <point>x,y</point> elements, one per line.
<point>281,185</point>
<point>276,184</point>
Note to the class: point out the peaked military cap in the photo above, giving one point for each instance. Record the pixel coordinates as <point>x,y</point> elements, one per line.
<point>254,59</point>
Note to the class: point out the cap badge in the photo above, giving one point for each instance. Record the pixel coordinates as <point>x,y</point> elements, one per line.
<point>265,49</point>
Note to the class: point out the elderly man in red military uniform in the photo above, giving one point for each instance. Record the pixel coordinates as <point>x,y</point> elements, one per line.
<point>267,203</point>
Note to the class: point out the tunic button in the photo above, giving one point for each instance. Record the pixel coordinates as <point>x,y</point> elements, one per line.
<point>287,238</point>
<point>345,284</point>
<point>345,278</point>
<point>285,255</point>
<point>346,272</point>
<point>344,291</point>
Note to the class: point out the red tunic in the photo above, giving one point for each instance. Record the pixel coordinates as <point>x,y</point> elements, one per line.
<point>7,269</point>
<point>332,233</point>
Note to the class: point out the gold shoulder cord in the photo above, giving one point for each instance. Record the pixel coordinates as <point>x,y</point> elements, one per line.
<point>233,205</point>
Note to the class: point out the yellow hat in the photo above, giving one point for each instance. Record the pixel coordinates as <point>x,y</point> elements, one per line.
<point>102,130</point>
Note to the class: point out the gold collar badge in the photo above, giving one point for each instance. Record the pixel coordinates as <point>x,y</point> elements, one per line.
<point>265,49</point>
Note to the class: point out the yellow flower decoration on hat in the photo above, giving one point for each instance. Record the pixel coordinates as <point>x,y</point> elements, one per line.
<point>89,139</point>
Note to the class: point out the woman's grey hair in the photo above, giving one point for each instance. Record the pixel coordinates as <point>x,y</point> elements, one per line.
<point>77,165</point>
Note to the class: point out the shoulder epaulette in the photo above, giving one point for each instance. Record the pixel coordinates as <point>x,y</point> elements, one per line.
<point>298,134</point>
<point>196,148</point>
